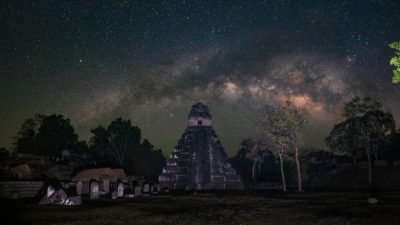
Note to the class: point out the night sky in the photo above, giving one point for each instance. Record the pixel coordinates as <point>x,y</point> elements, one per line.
<point>96,60</point>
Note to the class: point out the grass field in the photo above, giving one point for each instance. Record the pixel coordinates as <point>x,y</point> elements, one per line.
<point>296,208</point>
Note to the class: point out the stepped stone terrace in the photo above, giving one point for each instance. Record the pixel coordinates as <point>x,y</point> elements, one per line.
<point>199,161</point>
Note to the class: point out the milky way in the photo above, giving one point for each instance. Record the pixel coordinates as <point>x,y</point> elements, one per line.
<point>94,61</point>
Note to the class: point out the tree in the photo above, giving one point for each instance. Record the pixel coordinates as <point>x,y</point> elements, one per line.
<point>120,143</point>
<point>357,107</point>
<point>98,143</point>
<point>81,147</point>
<point>395,61</point>
<point>344,137</point>
<point>391,150</point>
<point>376,128</point>
<point>25,141</point>
<point>277,135</point>
<point>254,151</point>
<point>146,161</point>
<point>55,134</point>
<point>118,140</point>
<point>122,138</point>
<point>296,119</point>
<point>242,164</point>
<point>364,129</point>
<point>282,127</point>
<point>4,153</point>
<point>265,170</point>
<point>46,135</point>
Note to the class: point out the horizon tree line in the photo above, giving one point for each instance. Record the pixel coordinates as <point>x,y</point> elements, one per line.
<point>118,145</point>
<point>366,130</point>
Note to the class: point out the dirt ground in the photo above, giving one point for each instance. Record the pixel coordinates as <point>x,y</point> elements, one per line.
<point>295,208</point>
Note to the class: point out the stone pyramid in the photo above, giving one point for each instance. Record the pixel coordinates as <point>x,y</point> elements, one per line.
<point>199,161</point>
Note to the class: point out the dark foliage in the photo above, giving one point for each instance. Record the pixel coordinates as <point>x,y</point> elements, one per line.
<point>146,161</point>
<point>119,145</point>
<point>267,171</point>
<point>391,149</point>
<point>4,153</point>
<point>25,142</point>
<point>46,135</point>
<point>365,126</point>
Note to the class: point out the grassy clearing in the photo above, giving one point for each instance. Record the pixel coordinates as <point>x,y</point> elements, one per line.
<point>300,208</point>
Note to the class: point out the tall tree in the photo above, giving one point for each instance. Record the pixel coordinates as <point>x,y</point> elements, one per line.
<point>99,144</point>
<point>146,161</point>
<point>46,135</point>
<point>296,119</point>
<point>242,164</point>
<point>345,136</point>
<point>277,135</point>
<point>255,151</point>
<point>25,142</point>
<point>365,127</point>
<point>123,137</point>
<point>55,134</point>
<point>267,169</point>
<point>283,128</point>
<point>395,61</point>
<point>81,147</point>
<point>343,139</point>
<point>120,143</point>
<point>391,150</point>
<point>119,139</point>
<point>4,153</point>
<point>377,126</point>
<point>357,107</point>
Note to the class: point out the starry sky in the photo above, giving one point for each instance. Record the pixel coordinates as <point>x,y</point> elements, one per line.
<point>149,61</point>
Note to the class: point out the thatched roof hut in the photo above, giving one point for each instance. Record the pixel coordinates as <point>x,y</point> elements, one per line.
<point>99,174</point>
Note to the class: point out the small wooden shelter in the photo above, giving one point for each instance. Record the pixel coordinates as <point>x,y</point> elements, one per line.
<point>106,178</point>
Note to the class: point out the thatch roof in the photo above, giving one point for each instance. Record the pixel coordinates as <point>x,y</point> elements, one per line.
<point>121,174</point>
<point>100,174</point>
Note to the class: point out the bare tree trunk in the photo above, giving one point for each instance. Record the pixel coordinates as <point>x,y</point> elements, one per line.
<point>254,171</point>
<point>282,173</point>
<point>369,165</point>
<point>299,183</point>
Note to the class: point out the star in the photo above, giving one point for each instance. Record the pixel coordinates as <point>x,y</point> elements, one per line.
<point>99,60</point>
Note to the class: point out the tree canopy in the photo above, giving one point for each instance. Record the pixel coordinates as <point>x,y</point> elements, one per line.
<point>120,144</point>
<point>282,126</point>
<point>55,134</point>
<point>365,128</point>
<point>117,145</point>
<point>25,142</point>
<point>117,140</point>
<point>267,169</point>
<point>360,114</point>
<point>395,61</point>
<point>46,135</point>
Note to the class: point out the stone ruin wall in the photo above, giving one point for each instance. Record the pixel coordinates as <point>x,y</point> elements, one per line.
<point>20,189</point>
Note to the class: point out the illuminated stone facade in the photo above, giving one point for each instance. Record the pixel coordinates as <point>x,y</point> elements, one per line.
<point>199,161</point>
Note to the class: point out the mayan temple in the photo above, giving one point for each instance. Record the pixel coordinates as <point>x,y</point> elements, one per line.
<point>199,161</point>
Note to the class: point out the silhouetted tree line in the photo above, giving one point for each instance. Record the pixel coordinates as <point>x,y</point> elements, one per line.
<point>120,143</point>
<point>255,163</point>
<point>367,133</point>
<point>117,145</point>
